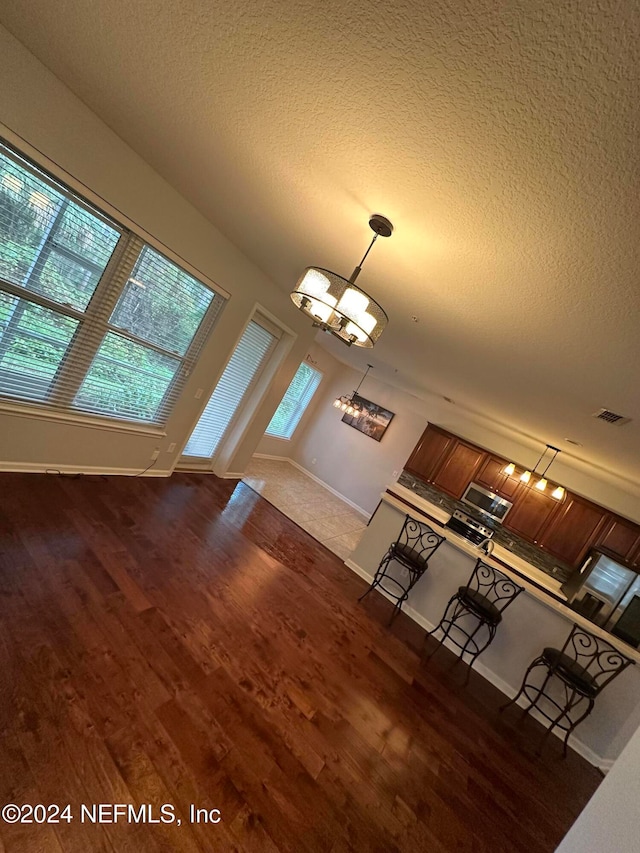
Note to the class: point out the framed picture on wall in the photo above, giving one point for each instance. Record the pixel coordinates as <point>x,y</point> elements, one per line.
<point>373,421</point>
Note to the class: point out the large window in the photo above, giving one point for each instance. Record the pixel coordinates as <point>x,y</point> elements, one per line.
<point>91,318</point>
<point>296,399</point>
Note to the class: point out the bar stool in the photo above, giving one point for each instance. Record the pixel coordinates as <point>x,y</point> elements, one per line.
<point>413,549</point>
<point>583,667</point>
<point>475,611</point>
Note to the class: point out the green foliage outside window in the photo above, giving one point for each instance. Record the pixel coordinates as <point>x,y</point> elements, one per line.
<point>292,406</point>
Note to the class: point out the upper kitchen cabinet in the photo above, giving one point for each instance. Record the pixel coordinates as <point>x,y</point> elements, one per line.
<point>531,512</point>
<point>620,538</point>
<point>574,530</point>
<point>459,468</point>
<point>430,452</point>
<point>491,475</point>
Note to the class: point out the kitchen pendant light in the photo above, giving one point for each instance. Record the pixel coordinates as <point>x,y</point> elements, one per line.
<point>349,405</point>
<point>542,482</point>
<point>337,305</point>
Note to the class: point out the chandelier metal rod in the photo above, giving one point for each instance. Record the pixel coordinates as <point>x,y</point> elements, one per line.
<point>556,451</point>
<point>369,366</point>
<point>358,269</point>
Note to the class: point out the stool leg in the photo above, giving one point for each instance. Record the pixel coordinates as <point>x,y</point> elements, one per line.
<point>536,662</point>
<point>554,723</point>
<point>577,722</point>
<point>445,632</point>
<point>470,639</point>
<point>397,607</point>
<point>475,655</point>
<point>539,692</point>
<point>380,573</point>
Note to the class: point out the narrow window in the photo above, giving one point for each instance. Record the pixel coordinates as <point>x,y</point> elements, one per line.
<point>295,401</point>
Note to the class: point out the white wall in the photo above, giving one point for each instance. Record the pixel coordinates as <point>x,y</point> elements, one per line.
<point>354,464</point>
<point>611,820</point>
<point>43,117</point>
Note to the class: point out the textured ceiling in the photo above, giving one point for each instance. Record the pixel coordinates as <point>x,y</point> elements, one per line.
<point>500,138</point>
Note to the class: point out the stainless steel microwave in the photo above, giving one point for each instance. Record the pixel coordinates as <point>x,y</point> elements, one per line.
<point>487,502</point>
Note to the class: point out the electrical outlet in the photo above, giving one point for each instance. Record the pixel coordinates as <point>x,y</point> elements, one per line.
<point>198,393</point>
<point>171,447</point>
<point>155,455</point>
<point>394,474</point>
<point>313,461</point>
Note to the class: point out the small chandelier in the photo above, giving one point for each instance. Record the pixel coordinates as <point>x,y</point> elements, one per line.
<point>349,405</point>
<point>336,305</point>
<point>541,485</point>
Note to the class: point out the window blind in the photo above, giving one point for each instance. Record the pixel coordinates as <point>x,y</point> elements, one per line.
<point>295,401</point>
<point>241,372</point>
<point>91,318</point>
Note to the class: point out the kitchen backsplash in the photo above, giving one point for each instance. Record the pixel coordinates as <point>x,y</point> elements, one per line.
<point>511,541</point>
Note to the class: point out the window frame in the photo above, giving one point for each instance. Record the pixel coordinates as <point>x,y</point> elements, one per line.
<point>300,416</point>
<point>94,321</point>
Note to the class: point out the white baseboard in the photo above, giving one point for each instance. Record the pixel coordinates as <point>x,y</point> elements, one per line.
<point>320,482</point>
<point>229,475</point>
<point>603,764</point>
<point>270,456</point>
<point>89,470</point>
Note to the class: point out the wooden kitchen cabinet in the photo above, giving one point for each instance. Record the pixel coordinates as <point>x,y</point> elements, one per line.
<point>430,452</point>
<point>459,468</point>
<point>574,530</point>
<point>491,475</point>
<point>621,538</point>
<point>531,512</point>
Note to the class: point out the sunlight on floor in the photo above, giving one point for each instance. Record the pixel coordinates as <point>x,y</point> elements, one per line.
<point>327,518</point>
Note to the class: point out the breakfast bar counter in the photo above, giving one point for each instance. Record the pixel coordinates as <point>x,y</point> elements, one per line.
<point>539,617</point>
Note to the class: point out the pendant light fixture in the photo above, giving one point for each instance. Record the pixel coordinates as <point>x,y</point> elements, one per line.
<point>349,405</point>
<point>542,483</point>
<point>336,305</point>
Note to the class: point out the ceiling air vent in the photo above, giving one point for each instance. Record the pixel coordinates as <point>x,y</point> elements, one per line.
<point>610,417</point>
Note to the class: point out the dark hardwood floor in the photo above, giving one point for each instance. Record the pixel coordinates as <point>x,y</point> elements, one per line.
<point>180,641</point>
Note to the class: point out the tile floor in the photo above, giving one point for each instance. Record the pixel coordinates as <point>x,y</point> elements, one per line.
<point>327,518</point>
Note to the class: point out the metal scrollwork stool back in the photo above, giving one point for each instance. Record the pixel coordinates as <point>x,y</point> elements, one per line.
<point>413,549</point>
<point>583,667</point>
<point>475,611</point>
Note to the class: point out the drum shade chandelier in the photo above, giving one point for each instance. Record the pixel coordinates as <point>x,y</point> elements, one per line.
<point>336,305</point>
<point>349,405</point>
<point>541,485</point>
